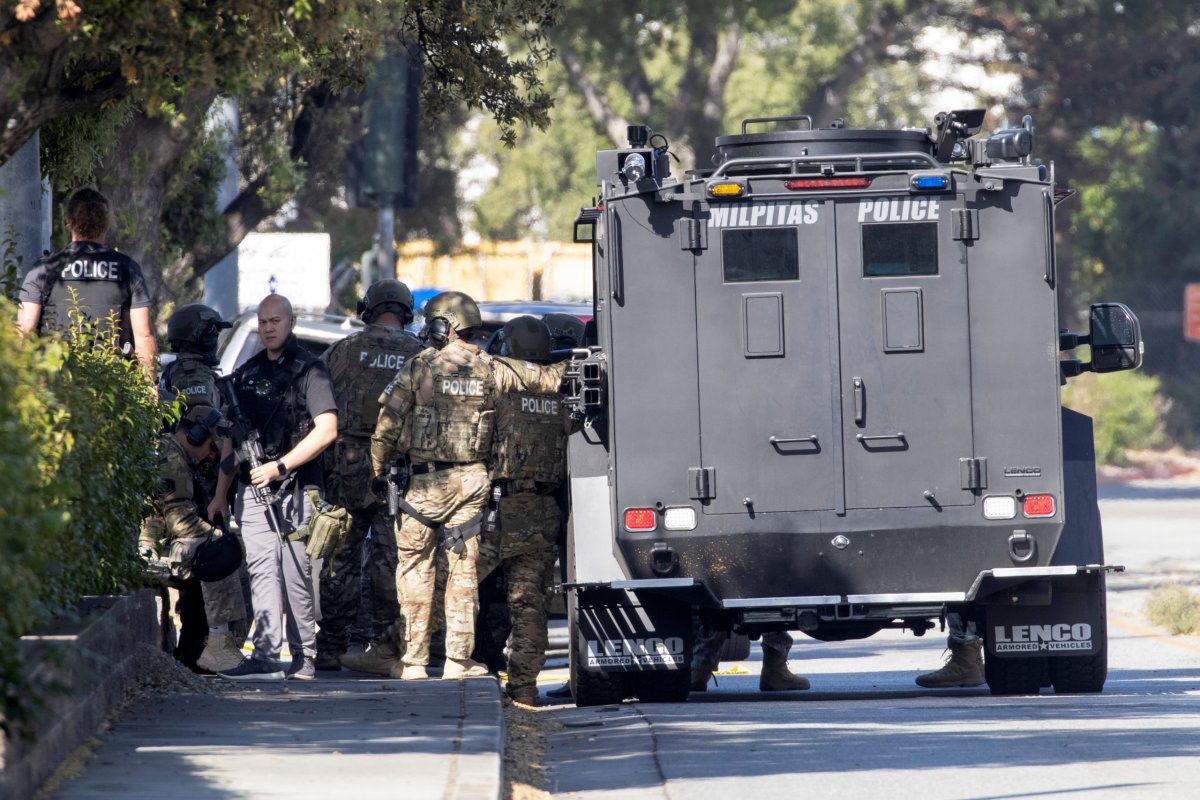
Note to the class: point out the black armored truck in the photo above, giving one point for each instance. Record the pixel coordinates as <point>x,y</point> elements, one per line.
<point>822,395</point>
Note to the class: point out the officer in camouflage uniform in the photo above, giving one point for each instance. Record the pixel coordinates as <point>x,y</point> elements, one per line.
<point>180,501</point>
<point>361,365</point>
<point>440,412</point>
<point>528,466</point>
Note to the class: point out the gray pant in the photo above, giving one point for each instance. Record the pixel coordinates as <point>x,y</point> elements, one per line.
<point>280,577</point>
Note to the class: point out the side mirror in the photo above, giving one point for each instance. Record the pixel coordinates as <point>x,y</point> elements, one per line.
<point>1116,338</point>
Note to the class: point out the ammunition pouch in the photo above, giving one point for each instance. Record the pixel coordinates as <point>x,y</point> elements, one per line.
<point>326,529</point>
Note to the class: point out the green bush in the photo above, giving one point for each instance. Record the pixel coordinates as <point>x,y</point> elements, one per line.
<point>77,460</point>
<point>1127,409</point>
<point>1174,608</point>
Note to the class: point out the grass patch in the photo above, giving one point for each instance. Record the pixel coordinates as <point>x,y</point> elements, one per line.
<point>1174,608</point>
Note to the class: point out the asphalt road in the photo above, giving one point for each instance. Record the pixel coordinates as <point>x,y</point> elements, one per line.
<point>865,730</point>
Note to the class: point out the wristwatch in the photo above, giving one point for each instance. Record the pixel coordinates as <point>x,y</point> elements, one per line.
<point>282,467</point>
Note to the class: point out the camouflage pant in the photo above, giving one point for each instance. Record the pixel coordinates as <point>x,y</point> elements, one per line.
<point>358,602</point>
<point>223,601</point>
<point>451,497</point>
<point>707,650</point>
<point>524,549</point>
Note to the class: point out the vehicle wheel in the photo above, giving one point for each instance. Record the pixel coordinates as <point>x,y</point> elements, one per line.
<point>736,647</point>
<point>588,687</point>
<point>1013,675</point>
<point>1079,674</point>
<point>667,686</point>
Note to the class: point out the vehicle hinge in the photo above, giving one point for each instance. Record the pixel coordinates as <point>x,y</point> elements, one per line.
<point>973,472</point>
<point>966,224</point>
<point>692,234</point>
<point>702,483</point>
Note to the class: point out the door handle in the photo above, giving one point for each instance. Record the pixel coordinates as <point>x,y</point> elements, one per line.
<point>882,437</point>
<point>805,439</point>
<point>860,402</point>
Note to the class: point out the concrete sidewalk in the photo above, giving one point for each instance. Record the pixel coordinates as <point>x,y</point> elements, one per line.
<point>342,735</point>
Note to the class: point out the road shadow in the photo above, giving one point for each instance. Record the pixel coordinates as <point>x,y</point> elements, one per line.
<point>1134,491</point>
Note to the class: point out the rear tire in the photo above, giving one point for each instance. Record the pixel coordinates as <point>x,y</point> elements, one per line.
<point>1008,676</point>
<point>589,687</point>
<point>1079,674</point>
<point>671,686</point>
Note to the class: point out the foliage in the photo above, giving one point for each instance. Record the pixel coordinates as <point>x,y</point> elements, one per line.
<point>1126,408</point>
<point>10,262</point>
<point>77,460</point>
<point>1173,607</point>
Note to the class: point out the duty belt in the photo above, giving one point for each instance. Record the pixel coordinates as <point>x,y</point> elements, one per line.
<point>453,539</point>
<point>426,467</point>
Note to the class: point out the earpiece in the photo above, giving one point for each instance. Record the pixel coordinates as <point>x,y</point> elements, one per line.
<point>200,431</point>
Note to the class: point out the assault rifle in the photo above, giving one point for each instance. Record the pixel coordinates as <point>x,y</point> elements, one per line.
<point>248,444</point>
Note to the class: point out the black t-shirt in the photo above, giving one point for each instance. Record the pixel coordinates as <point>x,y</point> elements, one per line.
<point>104,281</point>
<point>281,398</point>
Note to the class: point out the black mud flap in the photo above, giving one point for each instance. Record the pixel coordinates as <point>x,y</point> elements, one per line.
<point>1073,624</point>
<point>622,631</point>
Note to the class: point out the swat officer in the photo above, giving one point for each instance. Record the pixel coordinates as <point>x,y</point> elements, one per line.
<point>287,396</point>
<point>192,333</point>
<point>566,329</point>
<point>181,501</point>
<point>529,461</point>
<point>98,280</point>
<point>440,413</point>
<point>775,675</point>
<point>361,365</point>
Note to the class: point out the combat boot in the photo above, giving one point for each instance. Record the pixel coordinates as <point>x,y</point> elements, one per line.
<point>327,662</point>
<point>463,668</point>
<point>700,678</point>
<point>378,659</point>
<point>526,695</point>
<point>776,677</point>
<point>221,653</point>
<point>963,668</point>
<point>409,672</point>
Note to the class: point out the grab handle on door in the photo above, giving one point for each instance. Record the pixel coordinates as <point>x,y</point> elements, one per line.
<point>882,437</point>
<point>805,439</point>
<point>860,402</point>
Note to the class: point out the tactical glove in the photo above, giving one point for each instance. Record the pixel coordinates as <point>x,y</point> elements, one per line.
<point>379,487</point>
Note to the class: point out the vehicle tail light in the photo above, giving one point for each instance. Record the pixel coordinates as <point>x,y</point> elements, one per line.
<point>1039,505</point>
<point>640,519</point>
<point>680,518</point>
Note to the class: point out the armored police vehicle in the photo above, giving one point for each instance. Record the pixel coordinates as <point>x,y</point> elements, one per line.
<point>823,395</point>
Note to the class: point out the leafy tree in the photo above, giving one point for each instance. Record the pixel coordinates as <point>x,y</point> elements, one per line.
<point>296,64</point>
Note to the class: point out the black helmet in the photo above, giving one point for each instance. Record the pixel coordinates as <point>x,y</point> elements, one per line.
<point>455,310</point>
<point>382,294</point>
<point>567,329</point>
<point>217,558</point>
<point>193,329</point>
<point>201,423</point>
<point>526,338</point>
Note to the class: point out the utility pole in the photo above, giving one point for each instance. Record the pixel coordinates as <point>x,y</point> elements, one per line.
<point>25,205</point>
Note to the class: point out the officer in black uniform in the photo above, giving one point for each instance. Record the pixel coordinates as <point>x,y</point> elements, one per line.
<point>287,396</point>
<point>104,282</point>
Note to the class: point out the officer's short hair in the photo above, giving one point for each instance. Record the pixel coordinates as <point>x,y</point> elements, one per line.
<point>88,214</point>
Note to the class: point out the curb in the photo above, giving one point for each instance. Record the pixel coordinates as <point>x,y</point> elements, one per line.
<point>481,742</point>
<point>81,672</point>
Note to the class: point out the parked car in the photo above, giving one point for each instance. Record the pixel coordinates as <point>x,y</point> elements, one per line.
<point>315,332</point>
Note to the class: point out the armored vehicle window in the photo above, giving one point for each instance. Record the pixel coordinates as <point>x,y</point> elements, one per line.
<point>905,249</point>
<point>760,255</point>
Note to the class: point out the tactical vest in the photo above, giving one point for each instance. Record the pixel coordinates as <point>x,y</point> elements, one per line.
<point>100,279</point>
<point>373,357</point>
<point>530,443</point>
<point>272,397</point>
<point>191,379</point>
<point>458,422</point>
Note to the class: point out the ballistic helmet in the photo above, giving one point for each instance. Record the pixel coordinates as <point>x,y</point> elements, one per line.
<point>200,423</point>
<point>526,338</point>
<point>386,295</point>
<point>193,329</point>
<point>456,308</point>
<point>567,330</point>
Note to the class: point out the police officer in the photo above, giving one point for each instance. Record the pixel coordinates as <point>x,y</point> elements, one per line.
<point>528,466</point>
<point>361,365</point>
<point>775,675</point>
<point>566,330</point>
<point>287,396</point>
<point>104,282</point>
<point>440,413</point>
<point>181,501</point>
<point>192,333</point>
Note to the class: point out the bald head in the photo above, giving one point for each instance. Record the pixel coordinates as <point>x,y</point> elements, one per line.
<point>275,323</point>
